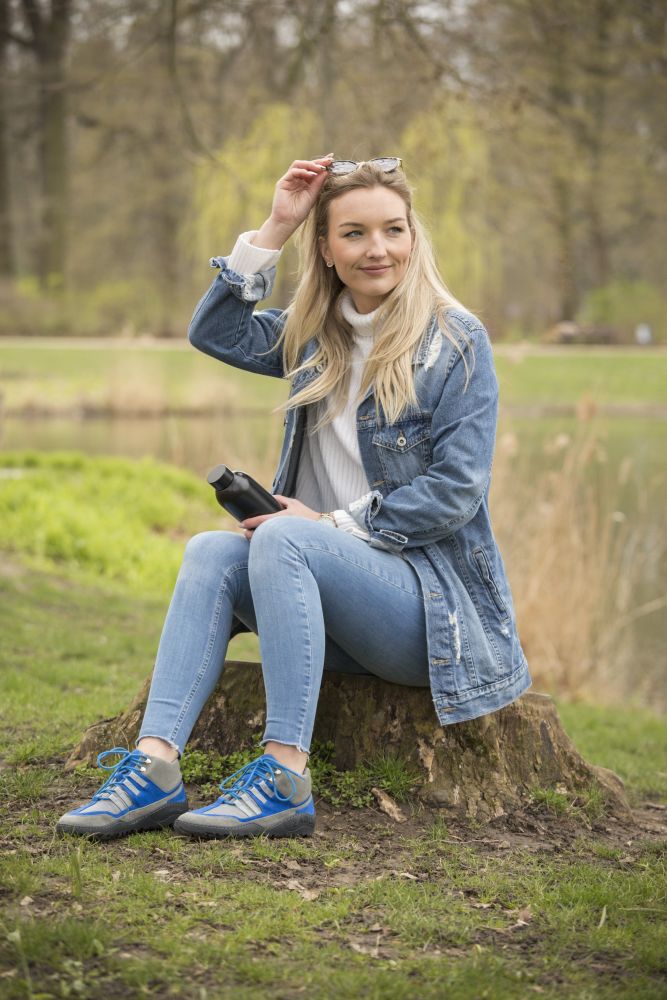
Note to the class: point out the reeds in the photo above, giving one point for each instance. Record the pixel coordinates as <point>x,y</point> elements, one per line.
<point>581,564</point>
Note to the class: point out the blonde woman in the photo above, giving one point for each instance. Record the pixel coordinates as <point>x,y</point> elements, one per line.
<point>382,560</point>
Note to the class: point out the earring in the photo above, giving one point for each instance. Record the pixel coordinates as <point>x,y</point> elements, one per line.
<point>329,263</point>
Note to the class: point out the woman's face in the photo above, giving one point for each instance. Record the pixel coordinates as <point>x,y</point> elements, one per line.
<point>369,242</point>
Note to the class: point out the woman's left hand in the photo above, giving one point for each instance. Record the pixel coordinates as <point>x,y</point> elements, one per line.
<point>293,508</point>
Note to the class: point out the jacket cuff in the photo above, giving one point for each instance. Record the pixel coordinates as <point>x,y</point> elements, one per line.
<point>247,287</point>
<point>363,511</point>
<point>346,522</point>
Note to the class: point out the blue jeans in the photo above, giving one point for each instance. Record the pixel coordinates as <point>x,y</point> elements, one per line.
<point>317,597</point>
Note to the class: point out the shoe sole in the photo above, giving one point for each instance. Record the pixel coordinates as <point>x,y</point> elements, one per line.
<point>294,826</point>
<point>165,816</point>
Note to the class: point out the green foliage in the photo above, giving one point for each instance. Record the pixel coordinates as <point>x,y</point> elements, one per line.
<point>392,774</point>
<point>120,520</point>
<point>108,307</point>
<point>623,304</point>
<point>238,188</point>
<point>449,158</point>
<point>201,767</point>
<point>340,788</point>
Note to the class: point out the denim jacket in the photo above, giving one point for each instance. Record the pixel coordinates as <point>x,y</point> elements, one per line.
<point>428,477</point>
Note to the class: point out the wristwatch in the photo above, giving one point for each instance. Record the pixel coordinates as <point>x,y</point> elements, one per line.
<point>329,518</point>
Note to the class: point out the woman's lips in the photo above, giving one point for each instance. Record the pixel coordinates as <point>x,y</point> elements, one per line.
<point>380,269</point>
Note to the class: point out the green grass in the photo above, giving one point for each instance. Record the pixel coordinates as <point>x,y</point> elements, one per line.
<point>62,376</point>
<point>364,909</point>
<point>109,518</point>
<point>58,376</point>
<point>566,376</point>
<point>632,743</point>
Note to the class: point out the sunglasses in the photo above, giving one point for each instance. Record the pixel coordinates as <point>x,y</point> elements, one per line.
<point>387,164</point>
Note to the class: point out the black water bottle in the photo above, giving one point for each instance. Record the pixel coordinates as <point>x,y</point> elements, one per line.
<point>240,494</point>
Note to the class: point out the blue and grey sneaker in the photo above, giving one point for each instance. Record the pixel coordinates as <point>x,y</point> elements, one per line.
<point>262,797</point>
<point>142,793</point>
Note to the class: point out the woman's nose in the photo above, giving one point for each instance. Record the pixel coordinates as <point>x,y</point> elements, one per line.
<point>376,247</point>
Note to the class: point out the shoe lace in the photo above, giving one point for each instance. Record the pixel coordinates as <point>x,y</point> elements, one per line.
<point>129,761</point>
<point>262,769</point>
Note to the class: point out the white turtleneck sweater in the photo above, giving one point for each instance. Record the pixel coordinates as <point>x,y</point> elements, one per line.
<point>331,474</point>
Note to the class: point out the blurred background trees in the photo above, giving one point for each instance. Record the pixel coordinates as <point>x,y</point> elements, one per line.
<point>138,139</point>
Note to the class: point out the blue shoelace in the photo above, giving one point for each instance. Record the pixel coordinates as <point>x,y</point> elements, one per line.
<point>129,761</point>
<point>262,769</point>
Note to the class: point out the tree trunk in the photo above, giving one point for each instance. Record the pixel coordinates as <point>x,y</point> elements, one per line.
<point>49,39</point>
<point>6,255</point>
<point>483,769</point>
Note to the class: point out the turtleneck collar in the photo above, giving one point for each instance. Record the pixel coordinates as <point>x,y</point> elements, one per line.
<point>363,324</point>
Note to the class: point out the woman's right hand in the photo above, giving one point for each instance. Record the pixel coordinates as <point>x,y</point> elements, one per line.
<point>295,194</point>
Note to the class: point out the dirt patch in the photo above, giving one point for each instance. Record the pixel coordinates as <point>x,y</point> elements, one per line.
<point>376,845</point>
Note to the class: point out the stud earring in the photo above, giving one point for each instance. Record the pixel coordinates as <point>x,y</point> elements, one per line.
<point>329,263</point>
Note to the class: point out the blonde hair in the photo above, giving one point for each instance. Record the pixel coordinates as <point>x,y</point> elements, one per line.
<point>403,318</point>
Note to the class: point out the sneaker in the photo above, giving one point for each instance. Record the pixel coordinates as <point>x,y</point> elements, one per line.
<point>142,793</point>
<point>262,797</point>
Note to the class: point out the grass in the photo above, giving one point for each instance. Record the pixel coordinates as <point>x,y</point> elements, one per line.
<point>124,376</point>
<point>557,377</point>
<point>367,907</point>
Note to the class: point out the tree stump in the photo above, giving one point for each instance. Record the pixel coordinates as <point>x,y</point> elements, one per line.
<point>485,768</point>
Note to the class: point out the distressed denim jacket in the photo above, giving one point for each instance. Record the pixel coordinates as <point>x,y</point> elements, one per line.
<point>428,477</point>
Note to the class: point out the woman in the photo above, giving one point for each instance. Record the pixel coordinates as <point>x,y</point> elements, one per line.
<point>383,559</point>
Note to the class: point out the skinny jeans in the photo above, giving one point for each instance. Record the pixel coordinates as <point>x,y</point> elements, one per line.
<point>317,597</point>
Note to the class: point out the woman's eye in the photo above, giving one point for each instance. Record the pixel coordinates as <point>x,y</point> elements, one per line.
<point>352,232</point>
<point>396,229</point>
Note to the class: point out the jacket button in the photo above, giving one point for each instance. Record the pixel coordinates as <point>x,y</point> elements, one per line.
<point>401,440</point>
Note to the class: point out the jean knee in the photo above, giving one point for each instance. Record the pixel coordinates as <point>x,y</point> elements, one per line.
<point>274,535</point>
<point>215,549</point>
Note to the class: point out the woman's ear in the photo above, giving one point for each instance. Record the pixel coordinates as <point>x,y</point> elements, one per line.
<point>326,253</point>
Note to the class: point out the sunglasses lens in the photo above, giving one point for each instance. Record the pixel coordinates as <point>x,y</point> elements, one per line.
<point>387,163</point>
<point>342,166</point>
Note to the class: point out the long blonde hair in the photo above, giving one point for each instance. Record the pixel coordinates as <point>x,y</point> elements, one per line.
<point>402,320</point>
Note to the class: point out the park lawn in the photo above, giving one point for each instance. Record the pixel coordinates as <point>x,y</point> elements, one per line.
<point>130,376</point>
<point>554,904</point>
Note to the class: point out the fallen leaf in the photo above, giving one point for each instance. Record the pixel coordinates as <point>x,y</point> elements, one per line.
<point>603,917</point>
<point>26,901</point>
<point>364,949</point>
<point>161,872</point>
<point>388,806</point>
<point>308,894</point>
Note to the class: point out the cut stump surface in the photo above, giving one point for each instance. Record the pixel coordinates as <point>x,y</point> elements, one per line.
<point>485,768</point>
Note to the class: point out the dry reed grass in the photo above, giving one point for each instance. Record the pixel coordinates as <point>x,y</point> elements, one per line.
<point>578,566</point>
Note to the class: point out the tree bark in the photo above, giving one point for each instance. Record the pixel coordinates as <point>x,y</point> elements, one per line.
<point>49,40</point>
<point>6,252</point>
<point>484,769</point>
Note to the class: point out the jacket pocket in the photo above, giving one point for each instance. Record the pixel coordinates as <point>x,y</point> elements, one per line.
<point>404,450</point>
<point>484,569</point>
